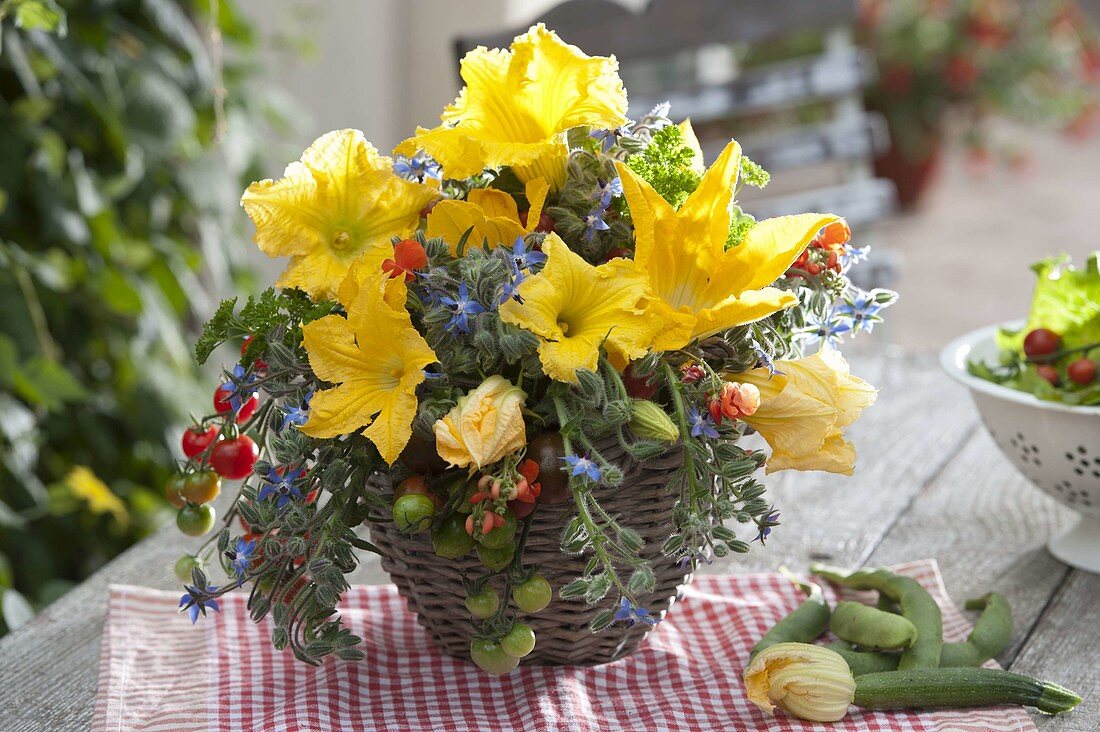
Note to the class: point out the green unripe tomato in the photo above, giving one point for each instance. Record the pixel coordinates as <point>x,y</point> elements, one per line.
<point>450,539</point>
<point>413,512</point>
<point>533,595</point>
<point>185,564</point>
<point>464,505</point>
<point>496,559</point>
<point>195,520</point>
<point>520,640</point>
<point>491,657</point>
<point>483,604</point>
<point>501,536</point>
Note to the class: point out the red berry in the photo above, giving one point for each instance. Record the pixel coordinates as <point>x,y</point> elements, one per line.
<point>1082,371</point>
<point>259,364</point>
<point>1049,373</point>
<point>195,440</point>
<point>1041,342</point>
<point>223,403</point>
<point>234,458</point>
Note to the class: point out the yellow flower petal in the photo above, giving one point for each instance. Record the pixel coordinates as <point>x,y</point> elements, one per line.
<point>484,426</point>
<point>85,485</point>
<point>341,201</point>
<point>490,215</point>
<point>376,359</point>
<point>703,288</point>
<point>803,411</point>
<point>517,105</point>
<point>575,307</point>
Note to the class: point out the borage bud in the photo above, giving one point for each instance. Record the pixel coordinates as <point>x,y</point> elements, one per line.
<point>806,681</point>
<point>650,421</point>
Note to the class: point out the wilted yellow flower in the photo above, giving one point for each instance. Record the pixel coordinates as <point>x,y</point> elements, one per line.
<point>517,106</point>
<point>376,358</point>
<point>575,307</point>
<point>491,213</point>
<point>484,426</point>
<point>340,202</point>
<point>84,485</point>
<point>804,409</point>
<point>701,287</point>
<point>807,681</point>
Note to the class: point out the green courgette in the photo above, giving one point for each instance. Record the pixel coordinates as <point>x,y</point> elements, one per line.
<point>803,625</point>
<point>958,688</point>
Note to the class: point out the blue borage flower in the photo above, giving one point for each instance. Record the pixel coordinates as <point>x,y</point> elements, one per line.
<point>197,601</point>
<point>826,329</point>
<point>417,168</point>
<point>764,526</point>
<point>606,138</point>
<point>524,259</point>
<point>605,191</point>
<point>594,222</point>
<point>282,485</point>
<point>701,424</point>
<point>852,255</point>
<point>692,558</point>
<point>862,310</point>
<point>764,358</point>
<point>464,306</point>
<point>238,389</point>
<point>297,415</point>
<point>239,558</point>
<point>583,466</point>
<point>631,614</point>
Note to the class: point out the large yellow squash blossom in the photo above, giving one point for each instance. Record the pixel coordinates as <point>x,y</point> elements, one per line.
<point>376,358</point>
<point>701,287</point>
<point>575,307</point>
<point>491,214</point>
<point>807,681</point>
<point>340,202</point>
<point>484,426</point>
<point>804,409</point>
<point>517,106</point>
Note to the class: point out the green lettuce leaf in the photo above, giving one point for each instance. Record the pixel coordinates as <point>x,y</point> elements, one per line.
<point>1066,300</point>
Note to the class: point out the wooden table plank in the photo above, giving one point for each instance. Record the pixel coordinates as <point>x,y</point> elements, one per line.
<point>1064,646</point>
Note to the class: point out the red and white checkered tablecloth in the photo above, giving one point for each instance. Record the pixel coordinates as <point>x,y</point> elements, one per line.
<point>158,672</point>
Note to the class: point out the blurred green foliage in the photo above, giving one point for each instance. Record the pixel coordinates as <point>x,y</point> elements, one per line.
<point>118,211</point>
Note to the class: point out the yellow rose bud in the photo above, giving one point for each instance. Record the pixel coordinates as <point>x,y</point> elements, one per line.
<point>484,426</point>
<point>650,421</point>
<point>807,681</point>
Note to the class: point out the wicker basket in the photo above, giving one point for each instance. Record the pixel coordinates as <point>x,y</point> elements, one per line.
<point>433,585</point>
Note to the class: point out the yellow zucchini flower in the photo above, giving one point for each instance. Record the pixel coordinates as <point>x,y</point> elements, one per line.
<point>517,106</point>
<point>804,409</point>
<point>85,485</point>
<point>575,307</point>
<point>376,358</point>
<point>807,681</point>
<point>484,426</point>
<point>492,214</point>
<point>701,287</point>
<point>339,202</point>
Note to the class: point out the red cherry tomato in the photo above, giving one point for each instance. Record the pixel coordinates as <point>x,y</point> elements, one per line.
<point>223,405</point>
<point>1082,371</point>
<point>1041,342</point>
<point>234,458</point>
<point>1049,373</point>
<point>259,364</point>
<point>195,440</point>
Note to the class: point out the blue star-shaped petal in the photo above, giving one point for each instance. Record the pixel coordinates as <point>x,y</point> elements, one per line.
<point>281,484</point>
<point>583,466</point>
<point>464,306</point>
<point>594,222</point>
<point>605,191</point>
<point>238,389</point>
<point>862,311</point>
<point>631,614</point>
<point>701,424</point>
<point>296,416</point>
<point>197,601</point>
<point>826,329</point>
<point>852,255</point>
<point>764,526</point>
<point>239,557</point>
<point>417,168</point>
<point>524,259</point>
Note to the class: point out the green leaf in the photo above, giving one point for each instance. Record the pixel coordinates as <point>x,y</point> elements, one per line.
<point>119,295</point>
<point>42,15</point>
<point>1066,300</point>
<point>47,384</point>
<point>15,609</point>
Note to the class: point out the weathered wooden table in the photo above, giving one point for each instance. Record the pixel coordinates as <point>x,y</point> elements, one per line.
<point>930,482</point>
